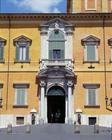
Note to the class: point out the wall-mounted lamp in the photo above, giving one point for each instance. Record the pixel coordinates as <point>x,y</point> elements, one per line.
<point>108,101</point>
<point>1,101</point>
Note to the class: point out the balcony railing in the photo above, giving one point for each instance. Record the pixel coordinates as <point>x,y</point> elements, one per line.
<point>65,63</point>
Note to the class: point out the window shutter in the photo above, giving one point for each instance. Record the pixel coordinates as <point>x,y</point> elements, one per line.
<point>91,53</point>
<point>62,54</point>
<point>20,96</point>
<point>50,54</point>
<point>27,53</point>
<point>17,53</point>
<point>91,96</point>
<point>1,53</point>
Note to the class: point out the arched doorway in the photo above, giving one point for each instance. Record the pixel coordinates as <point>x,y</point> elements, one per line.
<point>56,105</point>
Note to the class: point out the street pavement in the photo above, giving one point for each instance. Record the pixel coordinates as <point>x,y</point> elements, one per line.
<point>55,132</point>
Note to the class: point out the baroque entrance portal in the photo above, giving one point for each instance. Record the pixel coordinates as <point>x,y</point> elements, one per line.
<point>56,105</point>
<point>56,85</point>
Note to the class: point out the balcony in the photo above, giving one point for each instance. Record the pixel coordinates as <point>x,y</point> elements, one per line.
<point>68,63</point>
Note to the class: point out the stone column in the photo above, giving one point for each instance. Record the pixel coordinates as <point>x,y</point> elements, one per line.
<point>42,101</point>
<point>70,86</point>
<point>66,111</point>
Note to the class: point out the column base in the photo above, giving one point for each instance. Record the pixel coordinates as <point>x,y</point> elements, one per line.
<point>66,120</point>
<point>70,121</point>
<point>41,121</point>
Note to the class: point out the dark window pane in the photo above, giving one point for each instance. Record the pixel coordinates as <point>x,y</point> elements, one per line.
<point>19,120</point>
<point>56,54</point>
<point>92,120</point>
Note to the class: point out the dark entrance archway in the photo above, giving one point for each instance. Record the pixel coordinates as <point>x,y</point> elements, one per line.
<point>56,105</point>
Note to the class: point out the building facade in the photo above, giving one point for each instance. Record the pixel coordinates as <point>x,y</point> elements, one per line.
<point>57,68</point>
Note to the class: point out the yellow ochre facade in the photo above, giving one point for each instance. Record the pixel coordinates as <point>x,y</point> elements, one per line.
<point>57,68</point>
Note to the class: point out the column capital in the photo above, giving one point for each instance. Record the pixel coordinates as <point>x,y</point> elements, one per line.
<point>70,84</point>
<point>42,84</point>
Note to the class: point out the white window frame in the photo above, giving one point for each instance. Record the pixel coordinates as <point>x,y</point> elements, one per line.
<point>86,6</point>
<point>85,54</point>
<point>22,53</point>
<point>91,86</point>
<point>26,94</point>
<point>111,54</point>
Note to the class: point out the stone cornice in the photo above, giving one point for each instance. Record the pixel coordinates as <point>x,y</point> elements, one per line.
<point>78,19</point>
<point>49,16</point>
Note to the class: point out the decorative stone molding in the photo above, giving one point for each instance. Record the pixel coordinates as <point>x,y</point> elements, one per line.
<point>42,65</point>
<point>44,29</point>
<point>90,40</point>
<point>42,84</point>
<point>86,85</point>
<point>110,42</point>
<point>2,41</point>
<point>22,40</point>
<point>70,84</point>
<point>69,29</point>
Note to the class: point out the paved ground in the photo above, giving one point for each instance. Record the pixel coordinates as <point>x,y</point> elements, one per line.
<point>56,132</point>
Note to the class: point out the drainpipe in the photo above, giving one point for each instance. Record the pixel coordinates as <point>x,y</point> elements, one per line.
<point>105,68</point>
<point>8,65</point>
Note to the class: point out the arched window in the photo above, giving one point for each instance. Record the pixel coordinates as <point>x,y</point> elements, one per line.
<point>56,45</point>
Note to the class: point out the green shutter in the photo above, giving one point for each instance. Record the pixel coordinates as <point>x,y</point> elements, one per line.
<point>17,53</point>
<point>20,96</point>
<point>91,53</point>
<point>56,42</point>
<point>62,54</point>
<point>27,53</point>
<point>92,96</point>
<point>50,54</point>
<point>1,53</point>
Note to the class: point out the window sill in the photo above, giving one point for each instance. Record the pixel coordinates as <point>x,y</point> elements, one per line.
<point>20,106</point>
<point>92,106</point>
<point>20,61</point>
<point>90,62</point>
<point>2,61</point>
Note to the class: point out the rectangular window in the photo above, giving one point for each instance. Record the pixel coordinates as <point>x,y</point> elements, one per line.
<point>20,95</point>
<point>91,53</point>
<point>22,53</point>
<point>19,120</point>
<point>90,4</point>
<point>57,54</point>
<point>92,120</point>
<point>91,97</point>
<point>1,52</point>
<point>91,94</point>
<point>56,50</point>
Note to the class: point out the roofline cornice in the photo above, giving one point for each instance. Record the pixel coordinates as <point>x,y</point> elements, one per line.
<point>47,16</point>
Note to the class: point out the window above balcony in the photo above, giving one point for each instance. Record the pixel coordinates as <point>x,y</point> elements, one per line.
<point>56,45</point>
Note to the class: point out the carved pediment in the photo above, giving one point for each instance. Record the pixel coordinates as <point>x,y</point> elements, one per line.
<point>110,42</point>
<point>57,23</point>
<point>22,39</point>
<point>57,72</point>
<point>2,40</point>
<point>90,39</point>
